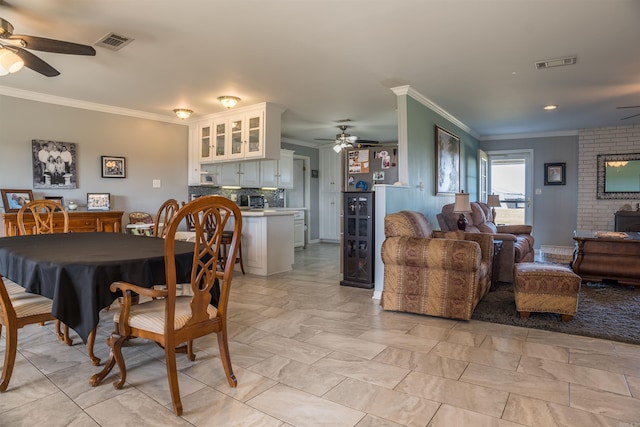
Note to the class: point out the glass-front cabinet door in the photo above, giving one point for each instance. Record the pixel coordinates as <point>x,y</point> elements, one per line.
<point>236,149</point>
<point>220,140</point>
<point>254,124</point>
<point>205,142</point>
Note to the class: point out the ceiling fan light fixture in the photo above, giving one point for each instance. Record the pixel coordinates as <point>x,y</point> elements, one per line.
<point>229,101</point>
<point>337,148</point>
<point>9,62</point>
<point>183,113</point>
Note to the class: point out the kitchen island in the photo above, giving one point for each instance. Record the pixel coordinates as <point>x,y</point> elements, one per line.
<point>267,241</point>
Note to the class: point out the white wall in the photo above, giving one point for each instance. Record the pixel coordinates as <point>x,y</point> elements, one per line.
<point>598,214</point>
<point>153,150</point>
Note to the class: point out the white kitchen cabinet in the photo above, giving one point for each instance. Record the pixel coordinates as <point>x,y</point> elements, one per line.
<point>330,170</point>
<point>210,174</point>
<point>277,173</point>
<point>252,132</point>
<point>242,174</point>
<point>193,161</point>
<point>330,203</point>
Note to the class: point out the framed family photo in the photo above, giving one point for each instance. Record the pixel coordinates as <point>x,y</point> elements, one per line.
<point>113,167</point>
<point>54,164</point>
<point>555,174</point>
<point>13,200</point>
<point>98,201</point>
<point>447,162</point>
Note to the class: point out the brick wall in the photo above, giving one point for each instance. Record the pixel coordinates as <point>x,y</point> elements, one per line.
<point>593,213</point>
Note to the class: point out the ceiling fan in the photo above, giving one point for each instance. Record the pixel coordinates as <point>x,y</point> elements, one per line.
<point>344,140</point>
<point>633,115</point>
<point>17,44</point>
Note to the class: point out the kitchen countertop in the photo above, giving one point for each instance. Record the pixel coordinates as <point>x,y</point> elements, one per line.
<point>267,212</point>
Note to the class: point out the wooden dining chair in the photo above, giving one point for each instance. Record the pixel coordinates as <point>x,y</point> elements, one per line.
<point>17,309</point>
<point>172,320</point>
<point>46,222</point>
<point>167,210</point>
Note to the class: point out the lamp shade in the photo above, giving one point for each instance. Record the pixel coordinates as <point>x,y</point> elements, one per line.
<point>493,200</point>
<point>462,203</point>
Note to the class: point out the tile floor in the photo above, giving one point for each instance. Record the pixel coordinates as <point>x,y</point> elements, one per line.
<point>308,352</point>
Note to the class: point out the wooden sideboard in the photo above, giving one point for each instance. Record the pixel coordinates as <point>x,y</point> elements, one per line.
<point>80,221</point>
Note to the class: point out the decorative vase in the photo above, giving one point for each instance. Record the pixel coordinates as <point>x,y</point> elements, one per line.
<point>72,206</point>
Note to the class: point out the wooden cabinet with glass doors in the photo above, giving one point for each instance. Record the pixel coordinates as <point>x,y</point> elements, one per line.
<point>359,240</point>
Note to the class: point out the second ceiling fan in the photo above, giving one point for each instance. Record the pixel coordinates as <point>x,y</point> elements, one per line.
<point>344,140</point>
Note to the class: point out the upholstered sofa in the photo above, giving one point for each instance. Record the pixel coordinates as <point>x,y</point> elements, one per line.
<point>517,241</point>
<point>434,273</point>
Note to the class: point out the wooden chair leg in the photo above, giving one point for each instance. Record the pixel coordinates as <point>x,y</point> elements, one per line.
<point>225,358</point>
<point>10,350</point>
<point>172,374</point>
<point>240,257</point>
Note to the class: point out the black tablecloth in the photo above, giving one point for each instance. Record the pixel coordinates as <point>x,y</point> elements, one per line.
<point>75,270</point>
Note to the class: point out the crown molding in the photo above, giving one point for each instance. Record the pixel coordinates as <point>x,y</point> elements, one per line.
<point>528,135</point>
<point>298,142</point>
<point>408,90</point>
<point>85,105</point>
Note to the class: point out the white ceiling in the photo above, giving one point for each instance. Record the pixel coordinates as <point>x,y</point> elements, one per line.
<point>327,60</point>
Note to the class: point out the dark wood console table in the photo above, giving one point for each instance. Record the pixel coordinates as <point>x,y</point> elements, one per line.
<point>608,258</point>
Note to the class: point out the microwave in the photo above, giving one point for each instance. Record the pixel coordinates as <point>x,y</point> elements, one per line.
<point>256,202</point>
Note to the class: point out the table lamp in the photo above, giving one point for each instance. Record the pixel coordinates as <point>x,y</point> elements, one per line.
<point>461,206</point>
<point>493,201</point>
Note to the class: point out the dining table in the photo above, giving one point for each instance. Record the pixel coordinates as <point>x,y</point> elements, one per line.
<point>75,270</point>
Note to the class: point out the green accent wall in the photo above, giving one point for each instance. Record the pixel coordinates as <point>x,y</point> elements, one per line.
<point>421,123</point>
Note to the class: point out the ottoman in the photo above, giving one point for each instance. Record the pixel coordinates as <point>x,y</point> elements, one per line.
<point>546,288</point>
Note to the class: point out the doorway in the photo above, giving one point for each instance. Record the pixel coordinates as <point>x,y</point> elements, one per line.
<point>509,175</point>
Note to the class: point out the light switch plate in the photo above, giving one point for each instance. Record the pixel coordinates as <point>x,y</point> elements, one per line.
<point>156,183</point>
<point>538,191</point>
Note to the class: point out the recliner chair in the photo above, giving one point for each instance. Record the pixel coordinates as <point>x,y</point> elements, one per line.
<point>517,241</point>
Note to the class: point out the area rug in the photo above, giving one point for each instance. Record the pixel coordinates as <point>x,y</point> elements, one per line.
<point>605,310</point>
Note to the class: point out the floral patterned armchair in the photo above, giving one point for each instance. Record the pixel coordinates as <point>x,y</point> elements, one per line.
<point>436,273</point>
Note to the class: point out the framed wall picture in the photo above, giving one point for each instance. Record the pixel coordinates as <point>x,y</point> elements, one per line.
<point>113,167</point>
<point>447,162</point>
<point>54,164</point>
<point>13,200</point>
<point>98,201</point>
<point>555,174</point>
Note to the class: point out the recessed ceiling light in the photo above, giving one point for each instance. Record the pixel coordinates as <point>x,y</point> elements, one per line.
<point>550,107</point>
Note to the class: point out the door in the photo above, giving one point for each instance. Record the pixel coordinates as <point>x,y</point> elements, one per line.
<point>510,177</point>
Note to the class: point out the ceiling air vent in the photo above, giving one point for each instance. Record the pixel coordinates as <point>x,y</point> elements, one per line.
<point>114,41</point>
<point>558,62</point>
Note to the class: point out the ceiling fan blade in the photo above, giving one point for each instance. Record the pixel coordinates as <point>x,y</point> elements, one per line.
<point>367,141</point>
<point>629,106</point>
<point>35,63</point>
<point>324,139</point>
<point>55,46</point>
<point>630,117</point>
